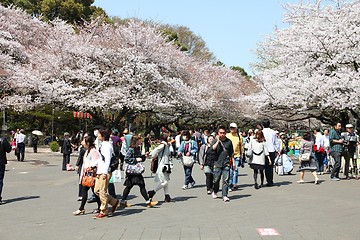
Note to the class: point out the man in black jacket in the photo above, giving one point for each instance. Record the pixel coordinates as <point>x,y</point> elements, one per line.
<point>66,150</point>
<point>224,154</point>
<point>5,147</point>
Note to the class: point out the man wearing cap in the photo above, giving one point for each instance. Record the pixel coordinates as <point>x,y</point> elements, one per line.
<point>238,146</point>
<point>350,142</point>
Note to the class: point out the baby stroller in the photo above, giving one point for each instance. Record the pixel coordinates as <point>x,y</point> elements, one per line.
<point>283,165</point>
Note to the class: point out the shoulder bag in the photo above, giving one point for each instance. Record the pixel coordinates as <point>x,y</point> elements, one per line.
<point>188,161</point>
<point>88,180</point>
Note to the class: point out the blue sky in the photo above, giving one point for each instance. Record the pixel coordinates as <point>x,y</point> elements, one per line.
<point>230,28</point>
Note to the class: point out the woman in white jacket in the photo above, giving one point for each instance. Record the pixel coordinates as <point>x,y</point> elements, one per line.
<point>258,152</point>
<point>162,176</point>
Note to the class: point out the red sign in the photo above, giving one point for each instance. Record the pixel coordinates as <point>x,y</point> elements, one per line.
<point>82,115</point>
<point>267,232</point>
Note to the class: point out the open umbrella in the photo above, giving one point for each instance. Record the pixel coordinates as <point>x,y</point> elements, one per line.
<point>37,132</point>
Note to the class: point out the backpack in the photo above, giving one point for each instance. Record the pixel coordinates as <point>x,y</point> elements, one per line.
<point>114,163</point>
<point>155,162</point>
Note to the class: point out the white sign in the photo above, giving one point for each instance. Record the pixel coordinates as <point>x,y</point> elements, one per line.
<point>267,232</point>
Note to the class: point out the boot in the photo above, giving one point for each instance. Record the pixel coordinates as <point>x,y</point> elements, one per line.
<point>151,193</point>
<point>167,198</point>
<point>151,203</point>
<point>124,204</point>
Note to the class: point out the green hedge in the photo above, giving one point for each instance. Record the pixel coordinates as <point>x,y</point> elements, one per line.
<point>54,146</point>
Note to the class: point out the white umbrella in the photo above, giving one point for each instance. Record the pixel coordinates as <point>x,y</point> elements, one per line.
<point>37,132</point>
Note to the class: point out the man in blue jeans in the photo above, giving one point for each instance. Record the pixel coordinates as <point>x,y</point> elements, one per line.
<point>5,147</point>
<point>238,146</point>
<point>224,153</point>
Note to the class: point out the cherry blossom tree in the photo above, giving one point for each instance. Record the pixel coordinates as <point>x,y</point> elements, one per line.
<point>127,68</point>
<point>311,68</point>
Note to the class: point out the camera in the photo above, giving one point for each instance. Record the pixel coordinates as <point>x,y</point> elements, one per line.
<point>166,168</point>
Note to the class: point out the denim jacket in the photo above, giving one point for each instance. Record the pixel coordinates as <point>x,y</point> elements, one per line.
<point>193,150</point>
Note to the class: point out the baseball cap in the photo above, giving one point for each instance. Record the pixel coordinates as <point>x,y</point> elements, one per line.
<point>349,125</point>
<point>233,125</point>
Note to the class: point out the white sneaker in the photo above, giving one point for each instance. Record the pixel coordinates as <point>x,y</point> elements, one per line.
<point>226,199</point>
<point>214,196</point>
<point>230,190</point>
<point>184,187</point>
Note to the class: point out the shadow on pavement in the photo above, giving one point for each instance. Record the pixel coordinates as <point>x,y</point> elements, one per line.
<point>127,212</point>
<point>233,197</point>
<point>199,186</point>
<point>244,186</point>
<point>21,199</point>
<point>284,183</point>
<point>183,199</point>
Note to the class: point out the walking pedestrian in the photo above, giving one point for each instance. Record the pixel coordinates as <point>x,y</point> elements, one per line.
<point>66,150</point>
<point>271,142</point>
<point>238,146</point>
<point>90,158</point>
<point>224,153</point>
<point>35,141</point>
<point>162,176</point>
<point>336,149</point>
<point>103,176</point>
<point>20,145</point>
<point>350,144</point>
<point>132,157</point>
<point>319,150</point>
<point>258,153</point>
<point>5,147</point>
<point>188,148</point>
<point>207,157</point>
<point>307,158</point>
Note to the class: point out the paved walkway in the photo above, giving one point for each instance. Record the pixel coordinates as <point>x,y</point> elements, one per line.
<point>41,198</point>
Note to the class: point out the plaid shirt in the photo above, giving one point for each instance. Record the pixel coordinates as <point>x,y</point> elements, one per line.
<point>335,147</point>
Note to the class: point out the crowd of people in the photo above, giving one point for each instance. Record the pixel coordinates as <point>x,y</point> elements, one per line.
<point>220,154</point>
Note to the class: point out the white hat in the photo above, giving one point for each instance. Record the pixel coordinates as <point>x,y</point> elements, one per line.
<point>233,125</point>
<point>349,125</point>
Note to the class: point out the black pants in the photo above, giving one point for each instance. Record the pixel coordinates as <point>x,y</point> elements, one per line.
<point>122,158</point>
<point>142,191</point>
<point>209,181</point>
<point>84,195</point>
<point>35,148</point>
<point>337,165</point>
<point>111,190</point>
<point>269,169</point>
<point>256,172</point>
<point>20,151</point>
<point>347,156</point>
<point>66,160</point>
<point>2,175</point>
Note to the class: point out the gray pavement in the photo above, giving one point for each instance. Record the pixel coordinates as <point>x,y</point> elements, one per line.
<point>40,199</point>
